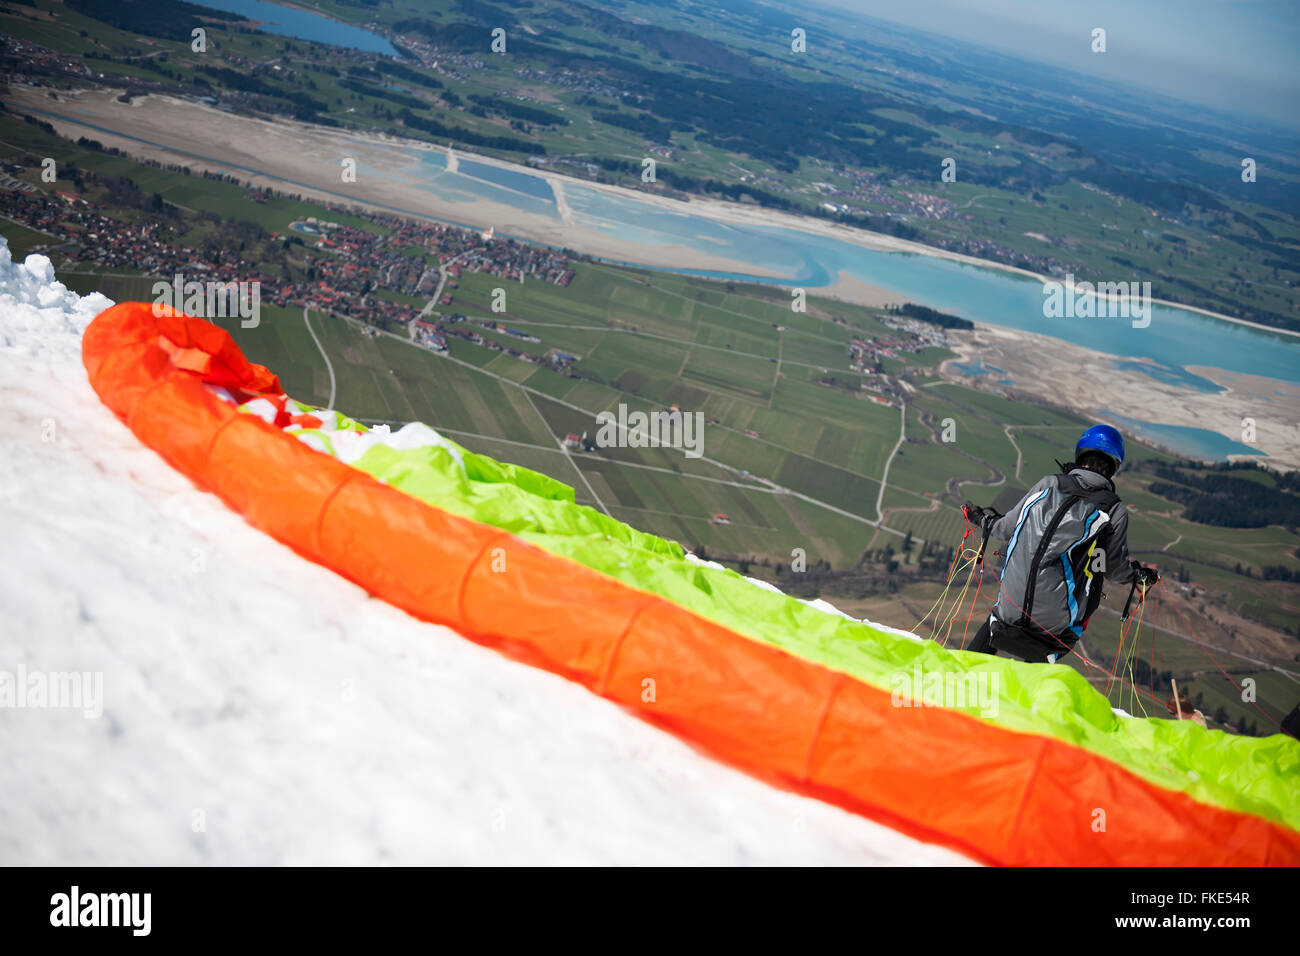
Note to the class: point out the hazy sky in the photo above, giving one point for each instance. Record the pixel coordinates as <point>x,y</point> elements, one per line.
<point>1230,54</point>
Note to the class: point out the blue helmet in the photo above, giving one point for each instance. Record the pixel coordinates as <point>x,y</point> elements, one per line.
<point>1102,438</point>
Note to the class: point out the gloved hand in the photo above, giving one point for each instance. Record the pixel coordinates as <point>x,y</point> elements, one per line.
<point>982,518</point>
<point>1147,576</point>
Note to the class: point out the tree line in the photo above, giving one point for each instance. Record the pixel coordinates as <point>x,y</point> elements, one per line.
<point>1215,496</point>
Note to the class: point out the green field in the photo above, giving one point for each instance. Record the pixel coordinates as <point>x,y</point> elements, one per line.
<point>22,240</point>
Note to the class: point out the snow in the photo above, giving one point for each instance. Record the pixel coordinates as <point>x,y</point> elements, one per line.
<point>258,709</point>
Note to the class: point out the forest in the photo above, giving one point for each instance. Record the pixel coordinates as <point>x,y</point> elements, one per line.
<point>1219,495</point>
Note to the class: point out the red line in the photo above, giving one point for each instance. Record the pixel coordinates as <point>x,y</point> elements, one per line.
<point>1218,665</point>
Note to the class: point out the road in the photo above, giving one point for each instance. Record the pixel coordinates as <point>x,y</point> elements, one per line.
<point>329,366</point>
<point>884,478</point>
<point>567,454</point>
<point>1020,458</point>
<point>437,294</point>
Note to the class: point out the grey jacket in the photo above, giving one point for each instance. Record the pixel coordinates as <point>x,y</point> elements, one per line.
<point>1065,539</point>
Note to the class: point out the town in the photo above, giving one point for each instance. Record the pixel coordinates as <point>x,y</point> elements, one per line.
<point>344,271</point>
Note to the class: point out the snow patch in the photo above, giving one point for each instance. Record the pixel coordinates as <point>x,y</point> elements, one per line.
<point>40,316</point>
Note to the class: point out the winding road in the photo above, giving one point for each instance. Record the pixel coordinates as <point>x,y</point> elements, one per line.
<point>884,477</point>
<point>329,366</point>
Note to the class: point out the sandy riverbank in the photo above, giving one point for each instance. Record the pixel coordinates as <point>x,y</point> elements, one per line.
<point>857,292</point>
<point>1086,381</point>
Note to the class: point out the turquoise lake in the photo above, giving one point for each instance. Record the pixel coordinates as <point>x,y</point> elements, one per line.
<point>1196,442</point>
<point>305,25</point>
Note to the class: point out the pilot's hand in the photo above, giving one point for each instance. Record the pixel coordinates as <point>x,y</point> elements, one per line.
<point>1147,576</point>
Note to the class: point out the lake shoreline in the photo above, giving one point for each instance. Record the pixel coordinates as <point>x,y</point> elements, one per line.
<point>1096,384</point>
<point>531,228</point>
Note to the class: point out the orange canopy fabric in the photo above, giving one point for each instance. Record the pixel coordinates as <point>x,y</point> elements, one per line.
<point>995,794</point>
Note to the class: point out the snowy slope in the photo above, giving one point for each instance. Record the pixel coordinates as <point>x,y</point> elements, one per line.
<point>258,709</point>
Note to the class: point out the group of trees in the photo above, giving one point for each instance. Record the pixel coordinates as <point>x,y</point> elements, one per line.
<point>875,573</point>
<point>640,122</point>
<point>1161,682</point>
<point>934,317</point>
<point>298,103</point>
<point>1216,496</point>
<point>520,111</point>
<point>460,134</point>
<point>402,72</point>
<point>1278,572</point>
<point>168,19</point>
<point>390,96</point>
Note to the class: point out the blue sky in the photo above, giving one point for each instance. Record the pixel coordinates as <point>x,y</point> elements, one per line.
<point>1229,54</point>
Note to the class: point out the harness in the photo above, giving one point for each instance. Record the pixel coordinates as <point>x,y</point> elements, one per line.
<point>1025,638</point>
